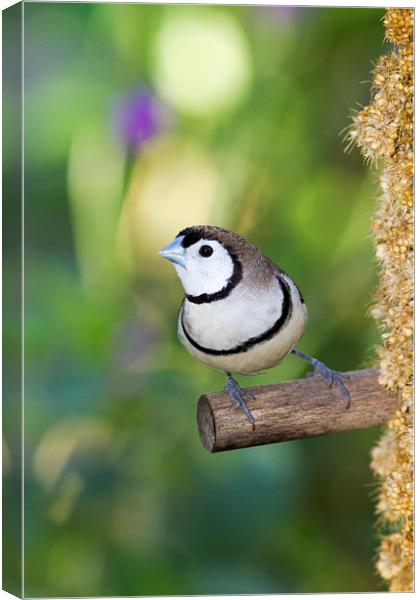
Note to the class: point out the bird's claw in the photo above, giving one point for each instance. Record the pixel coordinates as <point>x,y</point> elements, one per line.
<point>333,378</point>
<point>240,396</point>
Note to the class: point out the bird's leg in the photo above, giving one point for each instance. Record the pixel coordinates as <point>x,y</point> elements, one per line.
<point>239,396</point>
<point>331,376</point>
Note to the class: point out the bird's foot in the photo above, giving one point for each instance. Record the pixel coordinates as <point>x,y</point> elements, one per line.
<point>239,396</point>
<point>332,378</point>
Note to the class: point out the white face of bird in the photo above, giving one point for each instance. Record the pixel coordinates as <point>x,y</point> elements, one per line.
<point>204,267</point>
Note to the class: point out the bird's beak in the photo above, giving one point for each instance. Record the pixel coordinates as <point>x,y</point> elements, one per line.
<point>175,252</point>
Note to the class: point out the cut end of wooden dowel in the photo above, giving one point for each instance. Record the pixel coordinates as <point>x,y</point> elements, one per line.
<point>206,424</point>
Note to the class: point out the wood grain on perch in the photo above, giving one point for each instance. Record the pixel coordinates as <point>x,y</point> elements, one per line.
<point>294,410</point>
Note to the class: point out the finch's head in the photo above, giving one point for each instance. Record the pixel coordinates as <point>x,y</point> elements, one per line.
<point>206,258</point>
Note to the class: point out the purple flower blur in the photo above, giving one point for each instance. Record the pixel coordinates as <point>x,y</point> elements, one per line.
<point>278,13</point>
<point>283,12</point>
<point>140,116</point>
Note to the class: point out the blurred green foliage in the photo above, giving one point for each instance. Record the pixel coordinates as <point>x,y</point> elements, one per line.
<point>120,499</point>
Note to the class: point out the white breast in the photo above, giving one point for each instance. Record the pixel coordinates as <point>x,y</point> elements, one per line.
<point>244,314</point>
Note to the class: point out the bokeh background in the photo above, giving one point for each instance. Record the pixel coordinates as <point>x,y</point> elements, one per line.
<point>139,121</point>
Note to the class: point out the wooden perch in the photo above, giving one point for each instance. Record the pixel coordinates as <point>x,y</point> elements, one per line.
<point>294,410</point>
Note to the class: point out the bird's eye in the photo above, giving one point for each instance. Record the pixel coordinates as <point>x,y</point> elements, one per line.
<point>206,251</point>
